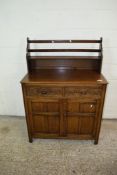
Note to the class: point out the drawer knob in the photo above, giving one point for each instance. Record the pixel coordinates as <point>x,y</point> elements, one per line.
<point>43,92</point>
<point>91,106</point>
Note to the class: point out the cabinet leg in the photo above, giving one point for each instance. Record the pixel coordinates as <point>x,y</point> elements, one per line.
<point>30,139</point>
<point>95,142</point>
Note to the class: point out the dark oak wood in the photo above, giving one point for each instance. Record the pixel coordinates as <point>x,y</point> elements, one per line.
<point>64,76</point>
<point>64,57</point>
<point>63,41</point>
<point>64,95</point>
<point>64,50</point>
<point>89,62</point>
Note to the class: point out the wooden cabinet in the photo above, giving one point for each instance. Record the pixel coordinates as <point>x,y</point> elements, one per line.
<point>61,102</point>
<point>58,115</point>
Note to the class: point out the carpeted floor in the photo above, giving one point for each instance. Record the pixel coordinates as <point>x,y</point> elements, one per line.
<point>55,157</point>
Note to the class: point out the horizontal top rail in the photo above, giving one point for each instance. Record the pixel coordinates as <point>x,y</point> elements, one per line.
<point>65,57</point>
<point>64,41</point>
<point>64,50</point>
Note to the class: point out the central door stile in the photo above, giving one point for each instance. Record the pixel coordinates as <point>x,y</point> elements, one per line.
<point>63,103</point>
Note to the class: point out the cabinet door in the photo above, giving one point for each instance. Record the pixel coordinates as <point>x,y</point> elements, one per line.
<point>45,116</point>
<point>81,117</point>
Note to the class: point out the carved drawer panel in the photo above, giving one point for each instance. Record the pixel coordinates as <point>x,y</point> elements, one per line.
<point>44,91</point>
<point>81,91</point>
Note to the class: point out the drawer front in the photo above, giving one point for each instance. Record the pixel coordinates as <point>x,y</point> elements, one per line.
<point>42,91</point>
<point>81,91</point>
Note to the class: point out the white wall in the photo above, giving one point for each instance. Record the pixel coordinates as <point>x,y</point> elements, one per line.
<point>53,19</point>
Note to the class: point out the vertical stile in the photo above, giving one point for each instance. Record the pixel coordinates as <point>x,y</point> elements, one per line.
<point>101,53</point>
<point>28,54</point>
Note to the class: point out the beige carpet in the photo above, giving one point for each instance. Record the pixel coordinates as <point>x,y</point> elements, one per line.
<point>55,157</point>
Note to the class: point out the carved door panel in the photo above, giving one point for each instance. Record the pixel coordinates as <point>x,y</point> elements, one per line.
<point>45,116</point>
<point>72,117</point>
<point>87,117</point>
<point>80,117</point>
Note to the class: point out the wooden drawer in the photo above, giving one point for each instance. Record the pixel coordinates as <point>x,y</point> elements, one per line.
<point>81,92</point>
<point>42,91</point>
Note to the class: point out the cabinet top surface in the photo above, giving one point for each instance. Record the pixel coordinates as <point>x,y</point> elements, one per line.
<point>64,76</point>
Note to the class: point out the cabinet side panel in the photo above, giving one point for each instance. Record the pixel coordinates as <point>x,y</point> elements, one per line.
<point>100,112</point>
<point>26,107</point>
